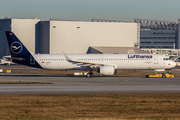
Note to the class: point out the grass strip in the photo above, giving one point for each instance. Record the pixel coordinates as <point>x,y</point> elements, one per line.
<point>91,106</point>
<point>22,82</point>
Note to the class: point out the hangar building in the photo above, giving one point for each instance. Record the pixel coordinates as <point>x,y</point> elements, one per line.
<point>55,36</point>
<point>75,36</point>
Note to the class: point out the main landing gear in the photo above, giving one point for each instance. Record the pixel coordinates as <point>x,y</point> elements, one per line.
<point>89,74</point>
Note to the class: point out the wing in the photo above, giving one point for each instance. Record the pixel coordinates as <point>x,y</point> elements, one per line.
<point>82,63</point>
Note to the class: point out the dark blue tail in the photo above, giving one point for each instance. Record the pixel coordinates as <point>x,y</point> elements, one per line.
<point>16,48</point>
<point>19,52</point>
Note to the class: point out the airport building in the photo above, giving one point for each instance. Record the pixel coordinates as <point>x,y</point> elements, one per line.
<point>76,36</point>
<point>98,36</point>
<point>156,34</point>
<point>160,37</point>
<point>57,36</point>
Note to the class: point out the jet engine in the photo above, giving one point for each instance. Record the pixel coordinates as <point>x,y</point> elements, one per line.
<point>107,70</point>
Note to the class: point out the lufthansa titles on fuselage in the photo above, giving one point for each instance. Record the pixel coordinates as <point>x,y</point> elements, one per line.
<point>139,56</point>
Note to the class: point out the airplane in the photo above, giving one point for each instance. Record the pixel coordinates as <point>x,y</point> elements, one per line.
<point>105,64</point>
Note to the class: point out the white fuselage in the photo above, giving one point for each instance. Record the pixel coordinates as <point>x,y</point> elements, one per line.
<point>120,61</point>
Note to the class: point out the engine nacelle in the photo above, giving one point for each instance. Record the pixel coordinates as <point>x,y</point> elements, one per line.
<point>107,70</point>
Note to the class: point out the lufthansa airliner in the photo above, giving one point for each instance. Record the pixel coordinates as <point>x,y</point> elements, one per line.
<point>105,64</point>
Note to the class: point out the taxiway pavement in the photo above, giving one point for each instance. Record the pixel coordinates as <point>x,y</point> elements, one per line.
<point>82,85</point>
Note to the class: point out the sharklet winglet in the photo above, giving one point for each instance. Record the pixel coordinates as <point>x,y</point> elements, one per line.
<point>66,57</point>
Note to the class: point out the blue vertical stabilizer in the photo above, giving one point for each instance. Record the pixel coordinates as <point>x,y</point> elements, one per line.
<point>19,52</point>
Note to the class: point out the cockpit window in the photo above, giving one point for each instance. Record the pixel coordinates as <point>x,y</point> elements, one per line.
<point>165,58</point>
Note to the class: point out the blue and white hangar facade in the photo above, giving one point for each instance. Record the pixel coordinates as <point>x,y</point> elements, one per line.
<point>57,36</point>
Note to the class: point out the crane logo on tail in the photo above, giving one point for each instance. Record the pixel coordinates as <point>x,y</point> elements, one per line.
<point>16,47</point>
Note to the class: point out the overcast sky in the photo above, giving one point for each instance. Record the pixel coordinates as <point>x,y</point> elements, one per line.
<point>85,10</point>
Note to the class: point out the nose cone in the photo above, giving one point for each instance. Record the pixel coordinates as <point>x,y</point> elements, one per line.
<point>173,64</point>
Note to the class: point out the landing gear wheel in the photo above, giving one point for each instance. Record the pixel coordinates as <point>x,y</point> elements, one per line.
<point>164,76</point>
<point>88,75</point>
<point>147,76</point>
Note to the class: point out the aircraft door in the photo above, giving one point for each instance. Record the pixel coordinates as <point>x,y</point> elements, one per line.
<point>156,60</point>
